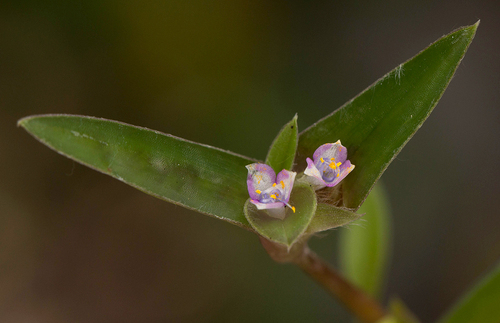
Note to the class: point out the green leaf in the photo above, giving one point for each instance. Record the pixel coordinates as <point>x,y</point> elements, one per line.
<point>376,124</point>
<point>481,304</point>
<point>196,176</point>
<point>282,151</point>
<point>364,248</point>
<point>328,217</point>
<point>288,230</point>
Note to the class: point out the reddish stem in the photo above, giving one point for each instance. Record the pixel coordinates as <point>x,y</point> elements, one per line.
<point>359,303</point>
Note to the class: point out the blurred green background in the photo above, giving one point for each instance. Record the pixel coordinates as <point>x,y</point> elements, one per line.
<point>78,246</point>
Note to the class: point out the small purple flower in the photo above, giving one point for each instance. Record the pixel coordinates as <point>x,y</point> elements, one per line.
<point>268,191</point>
<point>329,167</point>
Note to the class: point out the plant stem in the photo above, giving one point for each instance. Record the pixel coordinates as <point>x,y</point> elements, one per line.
<point>365,308</point>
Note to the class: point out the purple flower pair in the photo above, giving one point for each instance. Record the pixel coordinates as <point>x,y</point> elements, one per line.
<point>268,191</point>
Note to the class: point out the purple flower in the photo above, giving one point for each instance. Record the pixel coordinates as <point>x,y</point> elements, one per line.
<point>268,191</point>
<point>329,167</point>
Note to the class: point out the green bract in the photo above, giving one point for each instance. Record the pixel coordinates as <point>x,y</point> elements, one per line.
<point>282,151</point>
<point>288,230</point>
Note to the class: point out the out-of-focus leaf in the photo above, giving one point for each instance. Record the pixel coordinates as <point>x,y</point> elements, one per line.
<point>376,124</point>
<point>364,248</point>
<point>400,313</point>
<point>328,217</point>
<point>282,151</point>
<point>388,319</point>
<point>288,230</point>
<point>481,304</point>
<point>196,176</point>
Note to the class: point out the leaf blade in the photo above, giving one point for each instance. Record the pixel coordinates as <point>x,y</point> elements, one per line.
<point>195,176</point>
<point>376,124</point>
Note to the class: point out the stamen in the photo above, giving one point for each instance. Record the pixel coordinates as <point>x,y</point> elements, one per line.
<point>282,184</point>
<point>292,207</point>
<point>274,184</point>
<point>338,164</point>
<point>257,191</point>
<point>338,174</point>
<point>332,165</point>
<point>322,160</point>
<point>273,197</point>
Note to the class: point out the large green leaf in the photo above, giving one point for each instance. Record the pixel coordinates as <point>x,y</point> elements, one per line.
<point>291,228</point>
<point>376,124</point>
<point>199,177</point>
<point>481,304</point>
<point>364,248</point>
<point>282,152</point>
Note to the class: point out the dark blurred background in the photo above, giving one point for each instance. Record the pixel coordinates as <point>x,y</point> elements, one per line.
<point>78,246</point>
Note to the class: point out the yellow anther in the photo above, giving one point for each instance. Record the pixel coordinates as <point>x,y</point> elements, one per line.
<point>282,184</point>
<point>257,191</point>
<point>274,184</point>
<point>273,196</point>
<point>338,164</point>
<point>332,165</point>
<point>332,159</point>
<point>293,209</point>
<point>338,174</point>
<point>322,160</point>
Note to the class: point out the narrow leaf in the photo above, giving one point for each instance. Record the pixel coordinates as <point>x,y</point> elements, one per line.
<point>364,248</point>
<point>288,230</point>
<point>376,124</point>
<point>282,151</point>
<point>481,304</point>
<point>196,176</point>
<point>328,217</point>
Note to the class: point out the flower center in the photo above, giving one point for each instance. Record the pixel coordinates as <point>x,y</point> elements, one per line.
<point>274,194</point>
<point>271,196</point>
<point>329,169</point>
